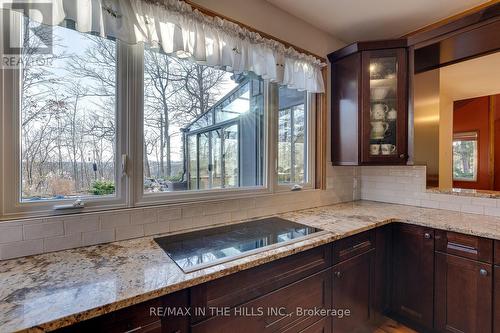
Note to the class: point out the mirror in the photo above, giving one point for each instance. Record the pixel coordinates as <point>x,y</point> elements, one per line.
<point>457,124</point>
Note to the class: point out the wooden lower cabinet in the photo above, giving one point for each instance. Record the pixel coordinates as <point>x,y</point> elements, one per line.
<point>430,280</point>
<point>259,315</point>
<point>413,274</point>
<point>463,300</point>
<point>353,291</point>
<point>496,303</point>
<point>139,318</point>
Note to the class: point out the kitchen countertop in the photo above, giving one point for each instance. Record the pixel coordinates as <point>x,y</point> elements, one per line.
<point>53,290</point>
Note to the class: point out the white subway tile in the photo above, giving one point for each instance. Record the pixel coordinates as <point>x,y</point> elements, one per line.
<point>111,221</point>
<point>98,237</point>
<point>493,211</point>
<point>21,249</point>
<point>485,202</point>
<point>129,231</point>
<point>190,210</point>
<point>168,214</point>
<point>74,224</point>
<point>43,230</point>
<point>11,233</point>
<point>144,216</point>
<point>449,206</point>
<point>62,242</point>
<point>429,203</point>
<point>472,209</point>
<point>156,228</point>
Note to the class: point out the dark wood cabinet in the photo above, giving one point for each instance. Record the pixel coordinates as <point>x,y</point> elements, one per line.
<point>431,280</point>
<point>146,317</point>
<point>496,298</point>
<point>353,282</point>
<point>369,103</point>
<point>463,300</point>
<point>260,315</point>
<point>413,274</point>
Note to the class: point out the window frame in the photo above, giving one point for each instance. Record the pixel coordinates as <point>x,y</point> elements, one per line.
<point>129,145</point>
<point>142,199</point>
<point>311,109</point>
<point>11,206</point>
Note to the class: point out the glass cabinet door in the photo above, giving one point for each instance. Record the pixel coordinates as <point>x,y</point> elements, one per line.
<point>384,104</point>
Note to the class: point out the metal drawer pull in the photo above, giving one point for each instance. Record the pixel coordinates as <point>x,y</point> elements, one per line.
<point>338,274</point>
<point>483,272</point>
<point>427,235</point>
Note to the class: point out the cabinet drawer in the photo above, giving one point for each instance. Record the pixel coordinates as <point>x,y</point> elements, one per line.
<point>239,288</point>
<point>497,252</point>
<point>352,246</point>
<point>257,316</point>
<point>466,246</point>
<point>135,318</point>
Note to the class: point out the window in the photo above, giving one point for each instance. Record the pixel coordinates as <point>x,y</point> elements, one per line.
<point>203,127</point>
<point>465,157</point>
<point>115,125</point>
<point>64,138</point>
<point>292,137</point>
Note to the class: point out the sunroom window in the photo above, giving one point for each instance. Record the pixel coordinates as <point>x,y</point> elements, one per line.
<point>292,137</point>
<point>203,127</point>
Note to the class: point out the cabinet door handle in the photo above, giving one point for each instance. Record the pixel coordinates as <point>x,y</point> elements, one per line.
<point>402,156</point>
<point>483,272</point>
<point>427,235</point>
<point>338,274</point>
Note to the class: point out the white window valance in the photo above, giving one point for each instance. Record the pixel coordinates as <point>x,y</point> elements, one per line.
<point>179,29</point>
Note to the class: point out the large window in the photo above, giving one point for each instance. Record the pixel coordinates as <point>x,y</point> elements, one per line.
<point>465,158</point>
<point>202,126</point>
<point>68,118</point>
<point>292,137</point>
<point>80,113</point>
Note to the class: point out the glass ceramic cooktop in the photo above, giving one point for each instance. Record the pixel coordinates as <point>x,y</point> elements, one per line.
<point>204,248</point>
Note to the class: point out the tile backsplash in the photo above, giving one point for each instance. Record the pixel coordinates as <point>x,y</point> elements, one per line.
<point>38,235</point>
<point>406,185</point>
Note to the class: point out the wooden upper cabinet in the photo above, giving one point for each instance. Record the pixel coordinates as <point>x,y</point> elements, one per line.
<point>370,103</point>
<point>413,274</point>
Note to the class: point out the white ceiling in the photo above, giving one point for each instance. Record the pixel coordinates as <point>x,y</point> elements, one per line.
<point>472,78</point>
<point>361,20</point>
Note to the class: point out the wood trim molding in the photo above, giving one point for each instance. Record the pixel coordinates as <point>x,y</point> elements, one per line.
<point>321,135</point>
<point>211,13</point>
<point>450,19</point>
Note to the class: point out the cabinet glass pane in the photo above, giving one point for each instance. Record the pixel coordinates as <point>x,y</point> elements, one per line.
<point>383,106</point>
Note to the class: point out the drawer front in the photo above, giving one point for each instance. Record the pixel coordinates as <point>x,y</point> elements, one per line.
<point>258,316</point>
<point>352,246</point>
<point>135,318</point>
<point>497,252</point>
<point>466,246</point>
<point>239,288</point>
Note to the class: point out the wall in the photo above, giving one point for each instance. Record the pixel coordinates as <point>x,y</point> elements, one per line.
<point>426,124</point>
<point>32,236</point>
<point>263,16</point>
<point>473,115</point>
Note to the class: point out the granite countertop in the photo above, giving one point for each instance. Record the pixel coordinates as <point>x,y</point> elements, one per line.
<point>53,290</point>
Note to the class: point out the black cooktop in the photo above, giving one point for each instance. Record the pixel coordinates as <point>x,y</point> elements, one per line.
<point>199,249</point>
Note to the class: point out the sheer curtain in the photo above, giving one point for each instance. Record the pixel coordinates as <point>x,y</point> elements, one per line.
<point>179,29</point>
